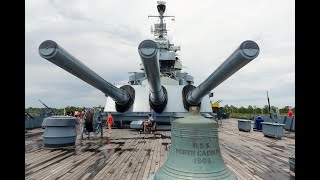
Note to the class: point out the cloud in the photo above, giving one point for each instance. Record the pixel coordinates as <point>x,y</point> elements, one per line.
<point>104,35</point>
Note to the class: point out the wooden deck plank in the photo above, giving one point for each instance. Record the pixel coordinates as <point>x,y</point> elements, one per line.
<point>42,164</point>
<point>114,168</point>
<point>141,152</point>
<point>148,164</point>
<point>46,171</point>
<point>64,165</point>
<point>125,167</point>
<point>80,169</point>
<point>64,176</point>
<point>46,155</point>
<point>34,154</point>
<point>109,162</point>
<point>122,165</point>
<point>154,160</point>
<point>265,158</point>
<point>140,155</point>
<point>161,150</point>
<point>250,155</point>
<point>239,176</point>
<point>86,176</point>
<point>142,163</point>
<point>119,156</point>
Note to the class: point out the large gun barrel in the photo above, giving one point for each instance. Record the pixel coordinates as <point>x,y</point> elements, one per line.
<point>247,51</point>
<point>148,51</point>
<point>54,53</point>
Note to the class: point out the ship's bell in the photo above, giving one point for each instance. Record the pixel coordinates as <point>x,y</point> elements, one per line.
<point>194,152</point>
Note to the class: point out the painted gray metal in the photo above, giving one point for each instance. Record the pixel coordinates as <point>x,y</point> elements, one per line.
<point>293,127</point>
<point>60,121</point>
<point>33,123</point>
<point>288,123</point>
<point>281,119</point>
<point>148,51</point>
<point>36,121</point>
<point>247,51</point>
<point>194,152</point>
<point>54,53</point>
<point>137,78</point>
<point>167,55</point>
<point>174,105</point>
<point>136,124</point>
<point>292,162</point>
<point>274,130</point>
<point>60,131</point>
<point>141,108</point>
<point>30,123</point>
<point>244,125</point>
<point>266,118</point>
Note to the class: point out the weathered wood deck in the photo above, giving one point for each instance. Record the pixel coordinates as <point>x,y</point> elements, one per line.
<point>126,154</point>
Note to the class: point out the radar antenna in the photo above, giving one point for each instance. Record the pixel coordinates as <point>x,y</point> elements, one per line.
<point>160,29</point>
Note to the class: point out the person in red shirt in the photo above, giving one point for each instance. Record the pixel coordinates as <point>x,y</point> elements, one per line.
<point>110,122</point>
<point>290,113</point>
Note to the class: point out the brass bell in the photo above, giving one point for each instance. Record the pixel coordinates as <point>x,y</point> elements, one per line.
<point>194,152</point>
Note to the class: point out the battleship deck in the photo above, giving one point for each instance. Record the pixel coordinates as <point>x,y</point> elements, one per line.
<point>126,154</point>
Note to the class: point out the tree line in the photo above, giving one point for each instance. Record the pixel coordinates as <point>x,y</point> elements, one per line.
<point>228,109</point>
<point>59,111</point>
<point>255,110</point>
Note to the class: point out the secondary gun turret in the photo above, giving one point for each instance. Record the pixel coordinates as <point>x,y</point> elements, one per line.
<point>247,51</point>
<point>123,96</point>
<point>51,111</point>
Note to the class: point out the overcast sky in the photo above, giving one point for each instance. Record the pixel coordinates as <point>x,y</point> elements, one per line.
<point>105,34</point>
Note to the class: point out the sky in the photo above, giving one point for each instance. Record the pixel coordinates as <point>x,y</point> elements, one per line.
<point>105,34</point>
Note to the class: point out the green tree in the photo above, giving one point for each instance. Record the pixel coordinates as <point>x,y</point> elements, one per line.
<point>250,109</point>
<point>242,109</point>
<point>226,108</point>
<point>265,109</point>
<point>258,111</point>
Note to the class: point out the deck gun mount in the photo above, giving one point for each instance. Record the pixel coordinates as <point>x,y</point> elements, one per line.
<point>160,85</point>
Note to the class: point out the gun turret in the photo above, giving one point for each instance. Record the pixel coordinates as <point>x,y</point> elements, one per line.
<point>51,111</point>
<point>123,96</point>
<point>247,51</point>
<point>148,51</point>
<point>29,115</point>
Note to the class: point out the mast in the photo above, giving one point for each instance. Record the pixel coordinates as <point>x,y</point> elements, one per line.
<point>160,29</point>
<point>169,61</point>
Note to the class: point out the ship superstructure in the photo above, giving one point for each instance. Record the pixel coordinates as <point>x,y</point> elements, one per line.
<point>169,61</point>
<point>161,85</point>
